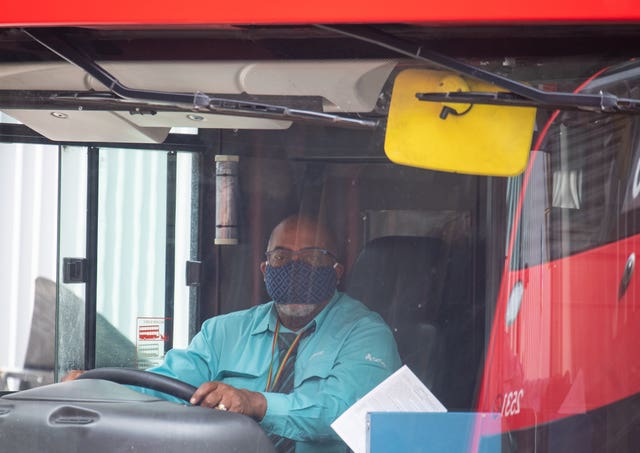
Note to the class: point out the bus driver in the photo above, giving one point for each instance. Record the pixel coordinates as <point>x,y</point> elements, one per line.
<point>296,363</point>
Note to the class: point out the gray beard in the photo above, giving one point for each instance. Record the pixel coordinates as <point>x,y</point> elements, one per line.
<point>295,310</point>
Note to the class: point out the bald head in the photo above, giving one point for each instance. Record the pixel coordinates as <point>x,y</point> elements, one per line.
<point>300,232</point>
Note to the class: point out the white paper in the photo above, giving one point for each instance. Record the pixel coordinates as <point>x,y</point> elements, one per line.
<point>400,392</point>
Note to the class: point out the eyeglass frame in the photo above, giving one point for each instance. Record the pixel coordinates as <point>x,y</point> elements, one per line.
<point>293,253</point>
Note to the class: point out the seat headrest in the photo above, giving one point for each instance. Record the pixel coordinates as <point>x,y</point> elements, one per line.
<point>398,276</point>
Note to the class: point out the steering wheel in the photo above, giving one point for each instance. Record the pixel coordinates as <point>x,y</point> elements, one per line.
<point>140,378</point>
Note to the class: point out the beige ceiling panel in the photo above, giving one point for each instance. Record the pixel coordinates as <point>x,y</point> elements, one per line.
<point>87,126</point>
<point>43,76</point>
<point>346,85</point>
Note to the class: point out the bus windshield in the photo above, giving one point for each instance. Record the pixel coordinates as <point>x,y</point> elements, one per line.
<point>149,177</point>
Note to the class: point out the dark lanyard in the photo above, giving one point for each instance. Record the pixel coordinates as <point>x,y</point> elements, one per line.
<point>270,385</point>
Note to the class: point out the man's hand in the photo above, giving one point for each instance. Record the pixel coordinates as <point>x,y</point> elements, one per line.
<point>225,397</point>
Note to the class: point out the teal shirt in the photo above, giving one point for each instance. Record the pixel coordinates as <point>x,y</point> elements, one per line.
<point>350,352</point>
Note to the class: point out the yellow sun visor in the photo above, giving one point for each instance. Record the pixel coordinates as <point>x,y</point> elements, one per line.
<point>460,138</point>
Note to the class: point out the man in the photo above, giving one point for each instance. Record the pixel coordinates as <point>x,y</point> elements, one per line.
<point>338,350</point>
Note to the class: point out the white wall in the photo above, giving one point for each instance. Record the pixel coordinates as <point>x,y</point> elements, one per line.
<point>28,237</point>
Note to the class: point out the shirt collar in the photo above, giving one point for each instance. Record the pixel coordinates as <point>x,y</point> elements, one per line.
<point>270,317</point>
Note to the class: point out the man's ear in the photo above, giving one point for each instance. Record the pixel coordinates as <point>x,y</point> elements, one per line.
<point>263,267</point>
<point>339,268</point>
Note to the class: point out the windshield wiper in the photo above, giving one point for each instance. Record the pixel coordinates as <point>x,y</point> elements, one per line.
<point>518,94</point>
<point>601,102</point>
<point>194,102</point>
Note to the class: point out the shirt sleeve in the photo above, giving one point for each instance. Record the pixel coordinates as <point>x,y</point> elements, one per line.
<point>367,357</point>
<point>194,365</point>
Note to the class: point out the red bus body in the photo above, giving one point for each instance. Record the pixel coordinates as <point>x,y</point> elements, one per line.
<point>204,13</point>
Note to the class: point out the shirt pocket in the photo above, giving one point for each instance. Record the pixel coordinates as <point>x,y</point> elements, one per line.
<point>318,365</point>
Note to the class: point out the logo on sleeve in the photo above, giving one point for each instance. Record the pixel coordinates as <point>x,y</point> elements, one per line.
<point>371,358</point>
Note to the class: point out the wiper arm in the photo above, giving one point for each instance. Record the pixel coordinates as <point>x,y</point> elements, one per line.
<point>197,102</point>
<point>518,94</point>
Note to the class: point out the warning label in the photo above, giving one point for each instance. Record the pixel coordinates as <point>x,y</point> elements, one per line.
<point>150,338</point>
<point>150,332</point>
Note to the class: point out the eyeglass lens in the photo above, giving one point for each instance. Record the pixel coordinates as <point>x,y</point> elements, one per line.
<point>314,257</point>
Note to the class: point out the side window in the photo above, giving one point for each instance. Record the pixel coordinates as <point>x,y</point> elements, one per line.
<point>629,220</point>
<point>574,189</point>
<point>531,245</point>
<point>584,180</point>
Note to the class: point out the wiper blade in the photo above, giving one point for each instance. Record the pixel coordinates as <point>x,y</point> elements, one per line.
<point>517,93</point>
<point>601,102</point>
<point>232,106</point>
<point>196,102</point>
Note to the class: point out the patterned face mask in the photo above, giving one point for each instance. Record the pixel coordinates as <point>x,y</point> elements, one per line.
<point>298,282</point>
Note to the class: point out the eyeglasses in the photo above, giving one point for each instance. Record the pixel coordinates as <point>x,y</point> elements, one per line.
<point>316,257</point>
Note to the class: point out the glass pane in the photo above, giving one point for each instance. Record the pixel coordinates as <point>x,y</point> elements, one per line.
<point>566,327</point>
<point>406,239</point>
<point>72,244</point>
<point>134,250</point>
<point>186,246</point>
<point>131,257</point>
<point>28,182</point>
<point>544,335</point>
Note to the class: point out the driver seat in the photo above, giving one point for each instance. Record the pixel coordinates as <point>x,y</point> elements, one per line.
<point>400,277</point>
